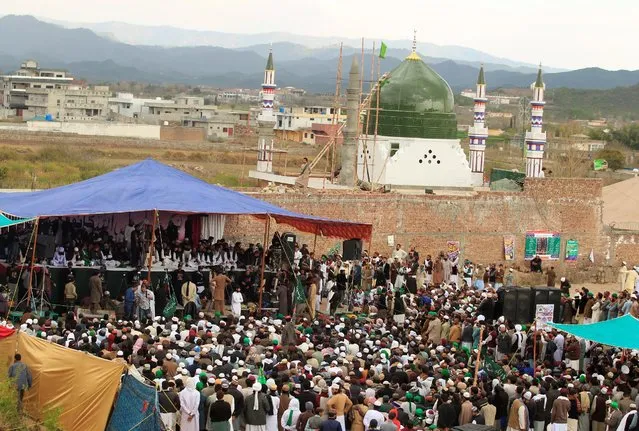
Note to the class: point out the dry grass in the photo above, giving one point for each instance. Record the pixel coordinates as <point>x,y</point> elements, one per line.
<point>43,160</point>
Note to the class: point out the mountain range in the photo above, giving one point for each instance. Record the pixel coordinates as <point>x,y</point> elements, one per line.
<point>99,56</point>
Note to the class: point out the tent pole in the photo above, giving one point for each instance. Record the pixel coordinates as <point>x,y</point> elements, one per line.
<point>267,227</point>
<point>33,257</point>
<point>481,342</point>
<point>535,347</point>
<point>151,247</point>
<point>314,241</point>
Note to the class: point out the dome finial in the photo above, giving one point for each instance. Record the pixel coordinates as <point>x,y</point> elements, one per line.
<point>413,55</point>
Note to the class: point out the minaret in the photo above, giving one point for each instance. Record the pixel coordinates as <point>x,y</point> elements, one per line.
<point>349,147</point>
<point>536,138</point>
<point>266,119</point>
<point>478,133</point>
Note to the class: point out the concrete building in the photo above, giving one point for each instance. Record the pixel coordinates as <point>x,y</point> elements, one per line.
<point>17,86</point>
<point>178,110</point>
<point>127,105</point>
<point>72,103</point>
<point>536,137</point>
<point>297,123</point>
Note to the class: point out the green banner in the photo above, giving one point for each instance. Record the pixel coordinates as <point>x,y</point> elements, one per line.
<point>546,245</point>
<point>600,164</point>
<point>572,249</point>
<point>494,369</point>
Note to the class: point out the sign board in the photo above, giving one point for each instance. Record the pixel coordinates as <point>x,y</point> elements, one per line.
<point>391,240</point>
<point>600,164</point>
<point>543,315</point>
<point>572,250</point>
<point>509,247</point>
<point>546,245</point>
<point>453,249</point>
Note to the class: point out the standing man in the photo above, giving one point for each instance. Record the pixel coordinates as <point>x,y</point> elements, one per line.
<point>341,404</point>
<point>70,293</point>
<point>144,297</point>
<point>236,302</point>
<point>518,419</point>
<point>95,286</point>
<point>551,277</point>
<point>20,373</point>
<point>221,281</point>
<point>399,253</point>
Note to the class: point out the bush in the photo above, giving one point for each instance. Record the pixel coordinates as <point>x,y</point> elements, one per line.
<point>615,159</point>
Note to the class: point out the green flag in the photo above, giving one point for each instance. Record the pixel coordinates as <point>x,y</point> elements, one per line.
<point>382,50</point>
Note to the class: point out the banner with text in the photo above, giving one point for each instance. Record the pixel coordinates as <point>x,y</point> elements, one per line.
<point>509,247</point>
<point>453,248</point>
<point>572,250</point>
<point>546,245</point>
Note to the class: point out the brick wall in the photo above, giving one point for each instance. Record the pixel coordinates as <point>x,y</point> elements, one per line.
<point>183,134</point>
<point>572,207</point>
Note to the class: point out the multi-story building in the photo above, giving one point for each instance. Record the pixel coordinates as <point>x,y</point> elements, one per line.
<point>73,103</point>
<point>30,79</point>
<point>182,108</point>
<point>297,123</point>
<point>127,105</point>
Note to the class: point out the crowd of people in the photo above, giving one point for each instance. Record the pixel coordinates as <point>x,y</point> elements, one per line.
<point>392,343</point>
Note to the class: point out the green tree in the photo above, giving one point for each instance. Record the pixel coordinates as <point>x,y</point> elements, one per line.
<point>627,136</point>
<point>615,159</point>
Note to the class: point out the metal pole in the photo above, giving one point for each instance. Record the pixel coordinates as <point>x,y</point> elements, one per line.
<point>33,257</point>
<point>535,347</point>
<point>481,342</point>
<point>267,227</point>
<point>151,247</point>
<point>314,242</point>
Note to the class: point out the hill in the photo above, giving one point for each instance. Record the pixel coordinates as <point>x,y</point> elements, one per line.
<point>99,58</point>
<point>621,102</point>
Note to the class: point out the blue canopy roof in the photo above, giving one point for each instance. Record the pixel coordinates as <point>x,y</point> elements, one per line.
<point>621,332</point>
<point>150,185</point>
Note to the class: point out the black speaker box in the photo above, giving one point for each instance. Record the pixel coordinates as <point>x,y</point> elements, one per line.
<point>352,249</point>
<point>288,245</point>
<point>548,295</point>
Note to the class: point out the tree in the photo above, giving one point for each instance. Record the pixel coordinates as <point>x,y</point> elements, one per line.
<point>615,159</point>
<point>627,136</point>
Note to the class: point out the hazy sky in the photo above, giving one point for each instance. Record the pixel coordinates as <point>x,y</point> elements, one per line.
<point>560,33</point>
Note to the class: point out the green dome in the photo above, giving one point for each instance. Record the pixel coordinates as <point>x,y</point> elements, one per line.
<point>414,102</point>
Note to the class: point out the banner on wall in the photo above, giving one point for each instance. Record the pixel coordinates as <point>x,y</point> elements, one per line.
<point>572,249</point>
<point>453,249</point>
<point>546,245</point>
<point>509,247</point>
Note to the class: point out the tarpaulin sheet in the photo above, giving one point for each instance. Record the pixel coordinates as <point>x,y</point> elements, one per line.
<point>7,350</point>
<point>5,332</point>
<point>137,407</point>
<point>621,332</point>
<point>150,185</point>
<point>6,221</point>
<point>82,386</point>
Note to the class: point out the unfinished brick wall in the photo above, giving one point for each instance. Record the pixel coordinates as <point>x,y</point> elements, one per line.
<point>572,207</point>
<point>183,134</point>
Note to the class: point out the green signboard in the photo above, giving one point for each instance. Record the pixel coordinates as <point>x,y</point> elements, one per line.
<point>599,164</point>
<point>572,249</point>
<point>546,245</point>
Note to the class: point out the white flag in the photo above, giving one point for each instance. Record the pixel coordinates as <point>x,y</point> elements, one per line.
<point>591,256</point>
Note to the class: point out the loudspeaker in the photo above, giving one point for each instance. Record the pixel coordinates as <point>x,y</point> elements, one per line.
<point>352,249</point>
<point>288,246</point>
<point>548,295</point>
<point>515,304</point>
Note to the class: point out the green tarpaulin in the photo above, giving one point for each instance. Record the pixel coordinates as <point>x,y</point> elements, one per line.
<point>621,332</point>
<point>6,221</point>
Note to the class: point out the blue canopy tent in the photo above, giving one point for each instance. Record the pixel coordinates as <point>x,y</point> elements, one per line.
<point>150,185</point>
<point>622,332</point>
